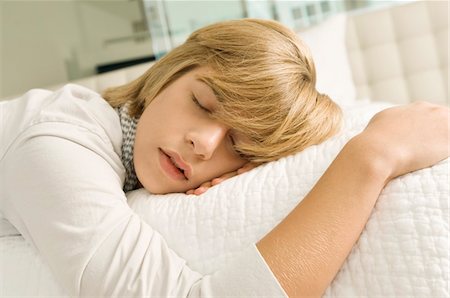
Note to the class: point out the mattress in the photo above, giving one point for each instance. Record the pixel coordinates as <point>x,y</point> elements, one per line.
<point>402,251</point>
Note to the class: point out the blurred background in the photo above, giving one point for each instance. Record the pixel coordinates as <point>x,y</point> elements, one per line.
<point>45,43</point>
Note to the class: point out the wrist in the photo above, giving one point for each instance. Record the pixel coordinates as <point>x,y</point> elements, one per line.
<point>371,157</point>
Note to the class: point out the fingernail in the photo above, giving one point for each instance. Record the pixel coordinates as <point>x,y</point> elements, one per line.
<point>199,191</point>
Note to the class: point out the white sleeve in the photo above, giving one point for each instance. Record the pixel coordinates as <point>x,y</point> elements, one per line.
<point>64,195</point>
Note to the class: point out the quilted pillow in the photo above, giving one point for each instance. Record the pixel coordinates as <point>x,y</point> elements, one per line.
<point>402,251</point>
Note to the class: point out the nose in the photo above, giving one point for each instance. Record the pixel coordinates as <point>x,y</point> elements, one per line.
<point>205,139</point>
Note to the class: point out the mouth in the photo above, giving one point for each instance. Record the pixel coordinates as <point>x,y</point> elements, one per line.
<point>173,165</point>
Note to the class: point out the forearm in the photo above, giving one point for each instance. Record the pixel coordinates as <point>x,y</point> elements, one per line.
<point>306,250</point>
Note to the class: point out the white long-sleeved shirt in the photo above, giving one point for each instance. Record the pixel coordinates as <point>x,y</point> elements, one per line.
<point>61,181</point>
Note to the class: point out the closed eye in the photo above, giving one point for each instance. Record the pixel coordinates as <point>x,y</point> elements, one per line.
<point>198,104</point>
<point>233,145</point>
<point>233,142</point>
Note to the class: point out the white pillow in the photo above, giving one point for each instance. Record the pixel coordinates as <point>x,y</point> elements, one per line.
<point>400,252</point>
<point>207,229</point>
<point>327,42</point>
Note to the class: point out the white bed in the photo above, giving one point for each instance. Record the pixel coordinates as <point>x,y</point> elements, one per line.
<point>404,248</point>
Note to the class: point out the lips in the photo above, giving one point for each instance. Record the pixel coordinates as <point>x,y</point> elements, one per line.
<point>174,166</point>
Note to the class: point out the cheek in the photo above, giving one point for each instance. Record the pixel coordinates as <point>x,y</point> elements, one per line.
<point>227,162</point>
<point>142,157</point>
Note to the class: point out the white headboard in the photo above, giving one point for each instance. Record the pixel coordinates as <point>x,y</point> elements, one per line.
<point>400,53</point>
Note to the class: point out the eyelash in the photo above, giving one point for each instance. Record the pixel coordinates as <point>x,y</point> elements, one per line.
<point>233,143</point>
<point>197,103</point>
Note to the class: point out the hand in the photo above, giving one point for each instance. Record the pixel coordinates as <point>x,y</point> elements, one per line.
<point>207,185</point>
<point>410,137</point>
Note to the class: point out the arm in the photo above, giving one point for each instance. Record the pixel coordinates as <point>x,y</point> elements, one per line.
<point>64,195</point>
<point>306,250</point>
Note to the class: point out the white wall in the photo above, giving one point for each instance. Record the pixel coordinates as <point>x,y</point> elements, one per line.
<point>102,22</point>
<point>45,43</point>
<point>1,48</point>
<point>28,57</point>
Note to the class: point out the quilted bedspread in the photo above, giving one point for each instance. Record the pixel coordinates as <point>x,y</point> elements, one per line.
<point>403,250</point>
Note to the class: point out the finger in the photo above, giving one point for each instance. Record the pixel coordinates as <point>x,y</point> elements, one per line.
<point>222,178</point>
<point>200,190</point>
<point>241,170</point>
<point>206,184</point>
<point>247,167</point>
<point>190,192</point>
<point>216,181</point>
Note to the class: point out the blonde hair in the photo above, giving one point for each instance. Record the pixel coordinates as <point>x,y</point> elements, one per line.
<point>264,78</point>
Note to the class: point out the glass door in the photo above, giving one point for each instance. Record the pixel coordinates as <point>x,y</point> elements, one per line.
<point>171,21</point>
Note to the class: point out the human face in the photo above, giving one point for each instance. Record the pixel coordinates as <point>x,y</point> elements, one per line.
<point>175,131</point>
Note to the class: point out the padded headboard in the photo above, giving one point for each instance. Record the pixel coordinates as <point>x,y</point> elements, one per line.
<point>400,53</point>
